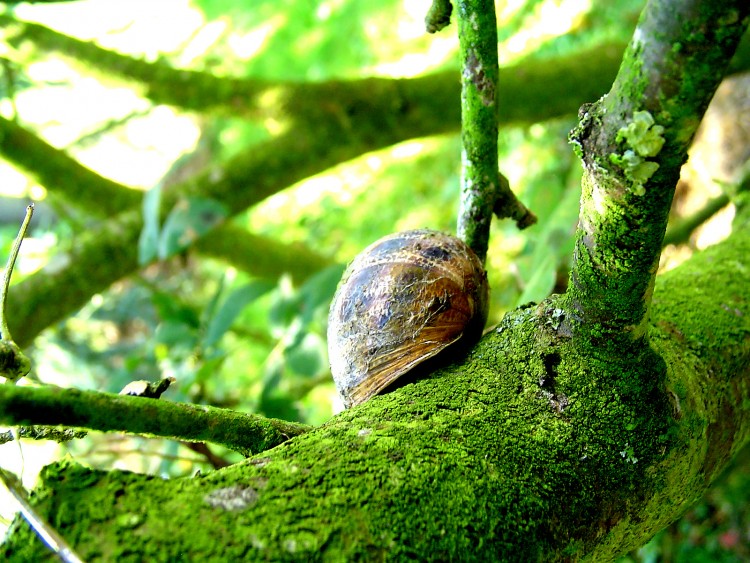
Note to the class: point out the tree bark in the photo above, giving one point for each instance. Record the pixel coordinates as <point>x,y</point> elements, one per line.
<point>534,447</point>
<point>633,142</point>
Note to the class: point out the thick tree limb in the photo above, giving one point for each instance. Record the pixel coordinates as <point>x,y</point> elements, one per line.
<point>534,448</point>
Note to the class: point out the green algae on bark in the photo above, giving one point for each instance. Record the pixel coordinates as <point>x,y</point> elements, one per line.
<point>535,446</point>
<point>670,70</point>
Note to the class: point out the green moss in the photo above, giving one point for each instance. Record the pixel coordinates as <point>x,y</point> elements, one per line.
<point>520,480</point>
<point>535,446</point>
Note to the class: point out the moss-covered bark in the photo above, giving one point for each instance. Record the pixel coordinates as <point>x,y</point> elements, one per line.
<point>245,433</point>
<point>480,181</point>
<point>633,142</point>
<point>536,446</point>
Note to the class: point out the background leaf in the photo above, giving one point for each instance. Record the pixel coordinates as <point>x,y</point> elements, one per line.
<point>188,220</point>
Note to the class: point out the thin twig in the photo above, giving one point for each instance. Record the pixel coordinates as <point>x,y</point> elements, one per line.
<point>4,330</point>
<point>53,540</point>
<point>107,412</point>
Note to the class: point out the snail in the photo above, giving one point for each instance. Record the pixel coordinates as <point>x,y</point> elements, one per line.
<point>404,299</point>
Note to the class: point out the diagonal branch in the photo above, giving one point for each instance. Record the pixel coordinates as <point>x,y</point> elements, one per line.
<point>632,143</point>
<point>56,170</point>
<point>534,90</point>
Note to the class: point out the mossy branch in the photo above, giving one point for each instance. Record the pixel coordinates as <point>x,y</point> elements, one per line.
<point>108,251</point>
<point>484,190</point>
<point>633,143</point>
<point>261,256</point>
<point>531,449</point>
<point>107,412</point>
<point>480,182</point>
<point>63,175</point>
<point>100,197</point>
<point>534,90</point>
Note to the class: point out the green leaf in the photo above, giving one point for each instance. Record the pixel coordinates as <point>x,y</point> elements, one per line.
<point>175,334</point>
<point>232,307</point>
<point>307,355</point>
<point>189,219</point>
<point>148,242</point>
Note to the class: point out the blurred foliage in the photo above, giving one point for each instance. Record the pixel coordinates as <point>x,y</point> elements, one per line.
<point>715,530</point>
<point>258,345</point>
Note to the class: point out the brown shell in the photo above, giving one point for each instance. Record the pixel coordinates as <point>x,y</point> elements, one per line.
<point>402,300</point>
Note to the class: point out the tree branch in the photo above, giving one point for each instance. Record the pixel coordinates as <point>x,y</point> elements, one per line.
<point>480,181</point>
<point>60,173</point>
<point>567,82</point>
<point>261,256</point>
<point>106,412</point>
<point>534,90</point>
<point>532,449</point>
<point>483,190</point>
<point>632,143</point>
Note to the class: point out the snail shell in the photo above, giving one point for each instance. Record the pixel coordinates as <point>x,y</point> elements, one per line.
<point>404,299</point>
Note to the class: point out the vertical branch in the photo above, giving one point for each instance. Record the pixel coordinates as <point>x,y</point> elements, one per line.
<point>484,190</point>
<point>477,34</point>
<point>632,143</point>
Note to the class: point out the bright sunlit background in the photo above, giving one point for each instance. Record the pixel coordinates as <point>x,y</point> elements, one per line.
<point>273,360</point>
